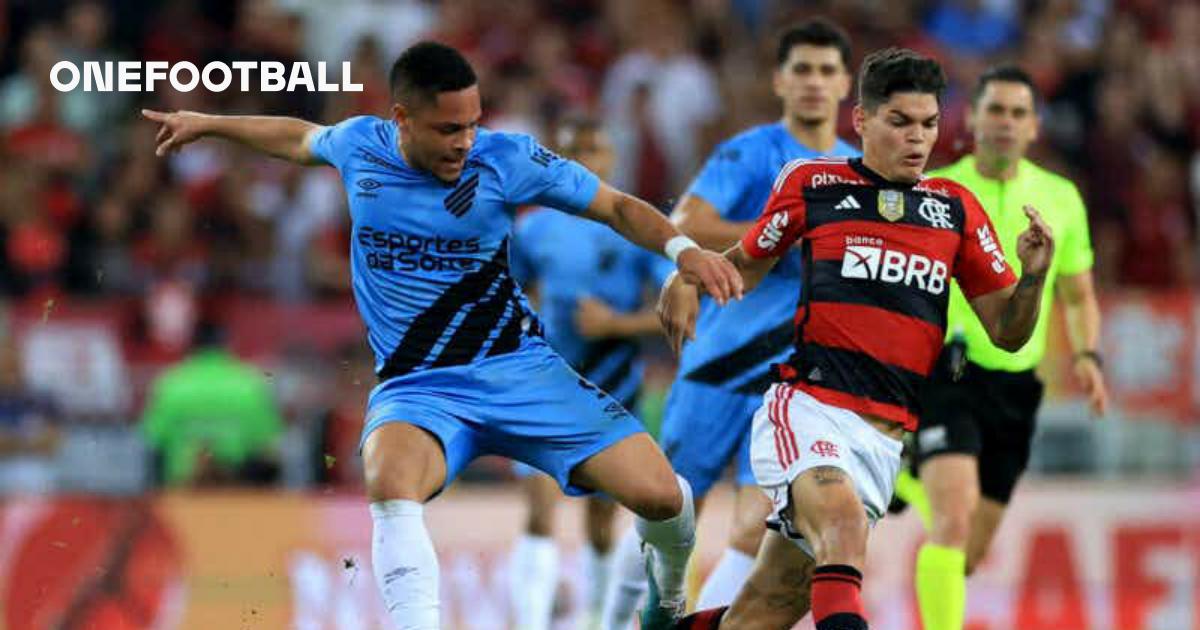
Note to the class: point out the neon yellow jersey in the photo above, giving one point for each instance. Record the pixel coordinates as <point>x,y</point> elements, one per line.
<point>1059,203</point>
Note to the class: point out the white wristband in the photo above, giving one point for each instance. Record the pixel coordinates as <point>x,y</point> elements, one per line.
<point>676,245</point>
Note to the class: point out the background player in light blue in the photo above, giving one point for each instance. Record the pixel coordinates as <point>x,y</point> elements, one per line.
<point>724,372</point>
<point>464,370</point>
<point>590,287</point>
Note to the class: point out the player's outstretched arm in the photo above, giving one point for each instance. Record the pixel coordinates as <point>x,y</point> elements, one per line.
<point>642,224</point>
<point>700,220</point>
<point>1010,314</point>
<point>287,138</point>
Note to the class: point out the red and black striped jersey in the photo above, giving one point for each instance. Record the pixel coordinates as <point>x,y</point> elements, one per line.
<point>878,259</point>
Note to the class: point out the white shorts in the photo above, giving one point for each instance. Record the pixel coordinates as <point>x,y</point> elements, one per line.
<point>794,432</point>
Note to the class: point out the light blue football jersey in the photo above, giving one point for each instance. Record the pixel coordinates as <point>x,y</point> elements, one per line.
<point>736,344</point>
<point>571,258</point>
<point>429,259</point>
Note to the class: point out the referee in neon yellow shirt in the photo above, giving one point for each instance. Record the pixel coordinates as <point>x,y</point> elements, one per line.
<point>979,411</point>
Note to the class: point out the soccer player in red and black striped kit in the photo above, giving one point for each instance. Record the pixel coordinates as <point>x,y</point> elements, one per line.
<point>880,244</point>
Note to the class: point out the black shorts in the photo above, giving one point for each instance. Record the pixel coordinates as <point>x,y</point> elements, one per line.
<point>989,414</point>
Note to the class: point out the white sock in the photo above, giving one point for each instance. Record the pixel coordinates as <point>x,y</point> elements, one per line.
<point>596,567</point>
<point>534,581</point>
<point>669,544</point>
<point>726,580</point>
<point>405,565</point>
<point>627,586</point>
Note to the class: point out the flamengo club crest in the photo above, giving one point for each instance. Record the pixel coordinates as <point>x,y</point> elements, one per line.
<point>891,204</point>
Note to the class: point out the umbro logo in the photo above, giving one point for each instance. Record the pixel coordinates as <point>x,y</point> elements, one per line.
<point>367,187</point>
<point>849,203</point>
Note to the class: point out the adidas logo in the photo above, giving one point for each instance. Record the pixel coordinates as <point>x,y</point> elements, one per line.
<point>815,375</point>
<point>849,203</point>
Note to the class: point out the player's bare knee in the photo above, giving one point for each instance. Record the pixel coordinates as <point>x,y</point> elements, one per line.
<point>747,534</point>
<point>659,502</point>
<point>951,527</point>
<point>410,474</point>
<point>749,521</point>
<point>841,538</point>
<point>391,483</point>
<point>658,499</point>
<point>974,559</point>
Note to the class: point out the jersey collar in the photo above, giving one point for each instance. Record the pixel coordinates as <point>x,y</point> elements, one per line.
<point>876,178</point>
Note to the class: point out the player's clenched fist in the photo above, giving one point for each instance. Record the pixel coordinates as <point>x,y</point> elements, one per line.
<point>178,129</point>
<point>712,272</point>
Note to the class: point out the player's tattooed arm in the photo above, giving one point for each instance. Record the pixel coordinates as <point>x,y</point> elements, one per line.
<point>1009,315</point>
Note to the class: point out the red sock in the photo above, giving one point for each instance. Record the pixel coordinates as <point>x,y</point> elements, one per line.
<point>704,620</point>
<point>837,598</point>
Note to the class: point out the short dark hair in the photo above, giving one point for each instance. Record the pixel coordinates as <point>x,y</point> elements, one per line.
<point>1007,73</point>
<point>885,72</point>
<point>427,69</point>
<point>815,32</point>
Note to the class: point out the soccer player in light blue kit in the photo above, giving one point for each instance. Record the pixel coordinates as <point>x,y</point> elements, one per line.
<point>590,287</point>
<point>724,372</point>
<point>463,368</point>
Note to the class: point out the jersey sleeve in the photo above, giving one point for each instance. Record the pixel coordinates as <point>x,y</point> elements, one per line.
<point>333,144</point>
<point>782,219</point>
<point>725,179</point>
<point>532,174</point>
<point>980,266</point>
<point>1074,246</point>
<point>520,258</point>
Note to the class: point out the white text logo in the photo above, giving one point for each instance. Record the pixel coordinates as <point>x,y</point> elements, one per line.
<point>874,263</point>
<point>827,179</point>
<point>989,245</point>
<point>772,233</point>
<point>217,76</point>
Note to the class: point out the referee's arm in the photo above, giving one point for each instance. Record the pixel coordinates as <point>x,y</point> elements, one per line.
<point>1081,309</point>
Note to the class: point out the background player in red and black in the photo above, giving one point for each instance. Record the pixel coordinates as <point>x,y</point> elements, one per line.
<point>880,244</point>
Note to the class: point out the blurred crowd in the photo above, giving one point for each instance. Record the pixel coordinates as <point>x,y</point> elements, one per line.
<point>86,208</point>
<point>87,211</point>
